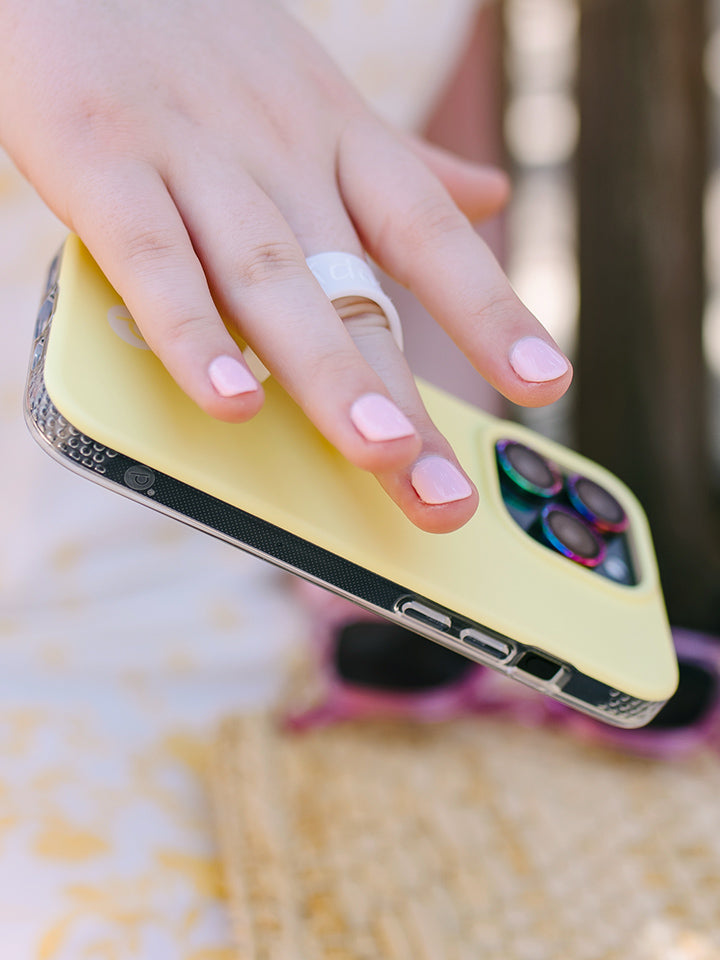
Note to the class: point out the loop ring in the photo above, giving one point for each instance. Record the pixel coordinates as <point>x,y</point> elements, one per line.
<point>342,275</point>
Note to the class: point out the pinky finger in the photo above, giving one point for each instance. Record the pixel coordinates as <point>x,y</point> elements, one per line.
<point>480,191</point>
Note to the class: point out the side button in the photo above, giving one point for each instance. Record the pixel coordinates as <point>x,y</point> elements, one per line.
<point>493,646</point>
<point>46,310</point>
<point>424,614</point>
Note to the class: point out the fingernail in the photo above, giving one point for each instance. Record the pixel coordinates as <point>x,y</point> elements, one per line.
<point>377,418</point>
<point>536,361</point>
<point>436,480</point>
<point>230,378</point>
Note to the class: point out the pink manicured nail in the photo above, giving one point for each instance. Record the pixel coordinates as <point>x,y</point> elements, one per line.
<point>536,361</point>
<point>230,378</point>
<point>377,418</point>
<point>436,480</point>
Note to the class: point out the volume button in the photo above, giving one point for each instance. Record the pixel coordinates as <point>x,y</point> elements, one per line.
<point>415,610</point>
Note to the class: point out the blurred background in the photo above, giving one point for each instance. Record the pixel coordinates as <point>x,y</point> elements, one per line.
<point>610,123</point>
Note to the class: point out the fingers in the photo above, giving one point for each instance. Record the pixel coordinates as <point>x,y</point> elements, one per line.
<point>206,243</point>
<point>409,224</point>
<point>258,275</point>
<point>363,400</point>
<point>133,229</point>
<point>350,378</point>
<point>433,490</point>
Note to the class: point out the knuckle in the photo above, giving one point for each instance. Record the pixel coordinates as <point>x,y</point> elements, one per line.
<point>272,261</point>
<point>368,323</point>
<point>179,326</point>
<point>333,366</point>
<point>433,218</point>
<point>146,246</point>
<point>98,125</point>
<point>91,115</point>
<point>499,303</point>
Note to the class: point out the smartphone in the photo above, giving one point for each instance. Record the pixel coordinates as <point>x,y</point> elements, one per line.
<point>553,581</point>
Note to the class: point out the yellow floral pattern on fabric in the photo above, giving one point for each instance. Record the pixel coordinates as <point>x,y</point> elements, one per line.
<point>111,850</point>
<point>61,840</point>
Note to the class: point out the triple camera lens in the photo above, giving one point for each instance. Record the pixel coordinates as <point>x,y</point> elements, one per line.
<point>571,514</point>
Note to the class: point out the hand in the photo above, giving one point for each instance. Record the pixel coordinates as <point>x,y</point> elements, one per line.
<point>202,152</point>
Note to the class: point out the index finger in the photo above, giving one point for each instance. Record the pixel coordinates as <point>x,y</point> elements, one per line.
<point>413,229</point>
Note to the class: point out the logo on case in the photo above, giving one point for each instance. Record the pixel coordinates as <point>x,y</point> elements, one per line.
<point>123,325</point>
<point>139,478</point>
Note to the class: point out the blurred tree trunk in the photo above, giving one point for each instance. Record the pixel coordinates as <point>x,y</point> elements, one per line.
<point>641,380</point>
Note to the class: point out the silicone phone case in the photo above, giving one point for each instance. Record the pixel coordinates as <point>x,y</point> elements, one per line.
<point>102,403</point>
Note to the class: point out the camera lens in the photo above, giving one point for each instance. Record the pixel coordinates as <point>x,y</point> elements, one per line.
<point>596,504</point>
<point>568,533</point>
<point>528,469</point>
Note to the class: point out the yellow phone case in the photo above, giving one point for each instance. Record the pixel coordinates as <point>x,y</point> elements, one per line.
<point>102,403</point>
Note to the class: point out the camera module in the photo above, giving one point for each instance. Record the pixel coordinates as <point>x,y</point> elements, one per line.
<point>566,512</point>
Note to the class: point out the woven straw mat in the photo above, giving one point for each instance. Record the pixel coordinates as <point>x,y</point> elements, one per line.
<point>468,840</point>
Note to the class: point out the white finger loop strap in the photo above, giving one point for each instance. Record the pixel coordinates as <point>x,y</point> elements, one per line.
<point>345,275</point>
<point>342,275</point>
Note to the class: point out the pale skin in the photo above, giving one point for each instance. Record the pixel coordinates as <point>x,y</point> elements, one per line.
<point>202,152</point>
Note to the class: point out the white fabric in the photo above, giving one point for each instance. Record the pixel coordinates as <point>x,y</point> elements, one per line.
<point>398,53</point>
